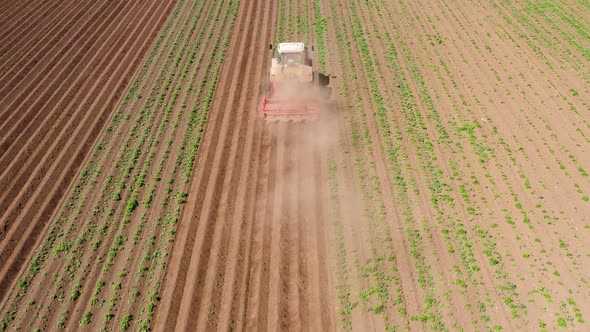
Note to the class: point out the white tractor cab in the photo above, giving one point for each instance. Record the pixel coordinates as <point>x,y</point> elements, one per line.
<point>293,53</point>
<point>292,64</point>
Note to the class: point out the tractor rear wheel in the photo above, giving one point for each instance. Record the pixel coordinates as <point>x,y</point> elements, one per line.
<point>316,80</point>
<point>266,85</point>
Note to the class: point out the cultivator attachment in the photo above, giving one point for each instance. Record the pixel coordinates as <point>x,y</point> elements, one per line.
<point>289,109</point>
<point>292,90</point>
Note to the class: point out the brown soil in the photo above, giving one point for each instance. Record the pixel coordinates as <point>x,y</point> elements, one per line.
<point>251,251</point>
<point>60,82</point>
<point>449,191</point>
<point>520,209</point>
<point>109,244</point>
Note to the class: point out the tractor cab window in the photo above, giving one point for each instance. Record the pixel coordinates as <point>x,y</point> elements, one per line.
<point>291,58</point>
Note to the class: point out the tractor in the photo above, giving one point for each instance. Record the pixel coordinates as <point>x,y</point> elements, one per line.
<point>291,86</point>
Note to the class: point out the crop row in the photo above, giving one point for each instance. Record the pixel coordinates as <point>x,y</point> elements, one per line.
<point>126,234</point>
<point>473,245</point>
<point>426,108</point>
<point>517,193</point>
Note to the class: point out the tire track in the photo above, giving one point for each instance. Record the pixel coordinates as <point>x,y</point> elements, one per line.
<point>257,280</point>
<point>298,277</point>
<point>246,259</point>
<point>349,216</point>
<point>271,205</point>
<point>309,203</point>
<point>327,297</point>
<point>276,289</point>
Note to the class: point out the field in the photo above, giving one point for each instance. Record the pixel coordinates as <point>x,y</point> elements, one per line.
<point>64,66</point>
<point>446,190</point>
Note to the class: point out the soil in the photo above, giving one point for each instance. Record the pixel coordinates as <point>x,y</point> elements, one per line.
<point>251,251</point>
<point>446,189</point>
<point>60,82</point>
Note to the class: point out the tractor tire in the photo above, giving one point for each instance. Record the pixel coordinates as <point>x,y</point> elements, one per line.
<point>316,79</point>
<point>266,86</point>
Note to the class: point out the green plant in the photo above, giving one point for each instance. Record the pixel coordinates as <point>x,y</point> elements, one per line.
<point>74,295</point>
<point>107,318</point>
<point>180,197</point>
<point>86,318</point>
<point>126,322</point>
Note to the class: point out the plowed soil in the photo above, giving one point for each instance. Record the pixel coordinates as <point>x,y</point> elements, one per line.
<point>446,189</point>
<point>252,249</point>
<point>64,66</point>
<point>128,194</point>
